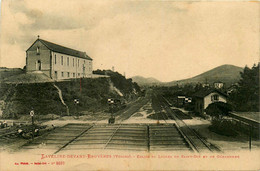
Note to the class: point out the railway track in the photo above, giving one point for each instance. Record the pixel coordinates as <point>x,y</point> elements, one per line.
<point>134,137</point>
<point>129,112</point>
<point>119,136</point>
<point>83,136</point>
<point>197,143</point>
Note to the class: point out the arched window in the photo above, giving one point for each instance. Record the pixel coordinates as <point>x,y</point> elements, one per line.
<point>38,50</point>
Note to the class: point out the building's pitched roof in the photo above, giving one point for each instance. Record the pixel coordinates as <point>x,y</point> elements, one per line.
<point>61,49</point>
<point>203,93</point>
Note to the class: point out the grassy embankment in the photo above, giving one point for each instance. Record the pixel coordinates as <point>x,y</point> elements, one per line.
<point>44,99</point>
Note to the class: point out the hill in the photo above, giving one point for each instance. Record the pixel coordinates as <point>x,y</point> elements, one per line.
<point>20,93</point>
<point>145,81</point>
<point>30,77</point>
<point>9,72</point>
<point>227,74</point>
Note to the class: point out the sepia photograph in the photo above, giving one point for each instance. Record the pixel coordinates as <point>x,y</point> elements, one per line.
<point>129,85</point>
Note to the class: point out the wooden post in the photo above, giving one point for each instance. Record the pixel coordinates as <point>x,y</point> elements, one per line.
<point>32,128</point>
<point>250,137</point>
<point>32,115</point>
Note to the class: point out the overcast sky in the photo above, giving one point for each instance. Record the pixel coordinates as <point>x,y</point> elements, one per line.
<point>162,39</point>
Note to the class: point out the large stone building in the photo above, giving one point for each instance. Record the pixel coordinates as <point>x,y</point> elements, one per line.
<point>56,61</point>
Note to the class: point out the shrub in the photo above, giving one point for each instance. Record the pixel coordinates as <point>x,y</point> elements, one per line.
<point>222,127</point>
<point>218,109</point>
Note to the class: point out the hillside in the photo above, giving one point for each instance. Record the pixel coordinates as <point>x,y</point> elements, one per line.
<point>228,74</point>
<point>58,97</point>
<point>9,72</point>
<point>30,77</point>
<point>145,81</point>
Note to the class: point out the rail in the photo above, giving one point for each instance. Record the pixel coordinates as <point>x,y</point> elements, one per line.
<point>246,120</point>
<point>185,129</point>
<point>65,145</point>
<point>111,136</point>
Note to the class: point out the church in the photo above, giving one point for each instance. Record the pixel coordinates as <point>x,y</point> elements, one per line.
<point>56,61</point>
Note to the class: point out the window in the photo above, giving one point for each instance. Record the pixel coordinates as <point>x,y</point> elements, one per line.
<point>61,60</point>
<point>55,74</point>
<point>73,74</point>
<point>73,62</point>
<point>39,64</point>
<point>55,59</point>
<point>78,74</point>
<point>78,62</point>
<point>62,74</point>
<point>68,74</point>
<point>68,61</point>
<point>38,50</point>
<point>215,97</point>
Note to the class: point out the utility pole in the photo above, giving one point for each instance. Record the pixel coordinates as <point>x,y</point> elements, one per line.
<point>250,137</point>
<point>76,102</point>
<point>111,103</point>
<point>32,116</point>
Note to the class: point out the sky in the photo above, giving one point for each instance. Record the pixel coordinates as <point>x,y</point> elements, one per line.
<point>167,40</point>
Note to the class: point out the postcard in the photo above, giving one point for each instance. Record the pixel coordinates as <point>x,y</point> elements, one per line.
<point>129,85</point>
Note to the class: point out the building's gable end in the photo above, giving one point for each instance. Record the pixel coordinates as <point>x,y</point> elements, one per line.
<point>36,44</point>
<point>31,45</point>
<point>215,93</point>
<point>210,99</point>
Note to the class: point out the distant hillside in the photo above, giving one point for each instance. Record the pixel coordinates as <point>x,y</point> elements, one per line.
<point>9,72</point>
<point>228,74</point>
<point>145,81</point>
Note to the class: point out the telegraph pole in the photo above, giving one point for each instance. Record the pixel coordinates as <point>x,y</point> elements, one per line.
<point>250,137</point>
<point>111,103</point>
<point>76,102</point>
<point>32,116</point>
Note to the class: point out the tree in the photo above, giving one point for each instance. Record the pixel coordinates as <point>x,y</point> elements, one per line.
<point>218,109</point>
<point>246,98</point>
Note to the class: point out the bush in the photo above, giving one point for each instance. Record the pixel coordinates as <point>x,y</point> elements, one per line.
<point>218,109</point>
<point>222,127</point>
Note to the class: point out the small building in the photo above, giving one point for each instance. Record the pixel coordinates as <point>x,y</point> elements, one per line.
<point>56,61</point>
<point>232,88</point>
<point>218,85</point>
<point>205,85</point>
<point>182,100</point>
<point>205,97</point>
